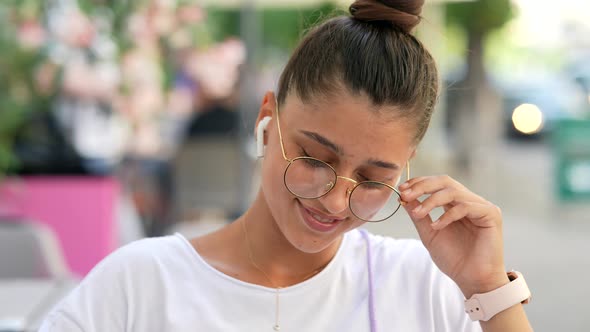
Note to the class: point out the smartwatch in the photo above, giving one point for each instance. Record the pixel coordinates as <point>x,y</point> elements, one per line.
<point>487,305</point>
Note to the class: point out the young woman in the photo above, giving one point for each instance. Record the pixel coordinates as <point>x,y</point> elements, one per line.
<point>352,105</point>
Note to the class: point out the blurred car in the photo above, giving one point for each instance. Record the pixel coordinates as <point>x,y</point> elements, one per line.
<point>532,106</point>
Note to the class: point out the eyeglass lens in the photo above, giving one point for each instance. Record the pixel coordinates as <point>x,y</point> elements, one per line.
<point>310,178</point>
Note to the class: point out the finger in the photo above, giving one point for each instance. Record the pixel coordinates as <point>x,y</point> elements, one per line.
<point>422,225</point>
<point>435,184</point>
<point>406,185</point>
<point>481,215</point>
<point>427,185</point>
<point>411,182</point>
<point>455,213</point>
<point>439,198</point>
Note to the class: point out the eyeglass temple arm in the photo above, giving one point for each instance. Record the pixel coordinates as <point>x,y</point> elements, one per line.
<point>280,134</point>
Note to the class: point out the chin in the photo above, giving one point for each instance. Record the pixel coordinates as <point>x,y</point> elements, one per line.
<point>307,235</point>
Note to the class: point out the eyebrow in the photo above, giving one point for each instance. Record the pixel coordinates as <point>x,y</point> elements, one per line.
<point>337,149</point>
<point>323,141</point>
<point>383,164</point>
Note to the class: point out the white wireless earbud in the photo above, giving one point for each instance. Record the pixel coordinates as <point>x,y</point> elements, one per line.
<point>260,136</point>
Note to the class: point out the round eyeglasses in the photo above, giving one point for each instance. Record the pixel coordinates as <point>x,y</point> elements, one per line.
<point>310,178</point>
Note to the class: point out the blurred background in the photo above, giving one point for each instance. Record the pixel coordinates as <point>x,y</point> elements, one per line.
<point>124,119</point>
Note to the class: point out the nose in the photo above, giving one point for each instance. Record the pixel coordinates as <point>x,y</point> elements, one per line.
<point>336,201</point>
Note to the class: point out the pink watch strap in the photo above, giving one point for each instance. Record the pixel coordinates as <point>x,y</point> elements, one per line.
<point>487,305</point>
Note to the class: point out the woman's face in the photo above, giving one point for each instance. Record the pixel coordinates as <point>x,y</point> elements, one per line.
<point>347,132</point>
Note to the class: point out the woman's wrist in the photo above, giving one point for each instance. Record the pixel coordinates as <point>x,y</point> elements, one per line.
<point>488,285</point>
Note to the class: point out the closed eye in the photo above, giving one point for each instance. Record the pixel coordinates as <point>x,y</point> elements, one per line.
<point>314,162</point>
<point>373,186</point>
<point>311,161</point>
<point>366,179</point>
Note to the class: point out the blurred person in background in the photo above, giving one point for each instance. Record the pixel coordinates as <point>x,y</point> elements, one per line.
<point>84,50</point>
<point>146,169</point>
<point>40,141</point>
<point>352,105</point>
<point>122,95</point>
<point>217,70</point>
<point>160,115</point>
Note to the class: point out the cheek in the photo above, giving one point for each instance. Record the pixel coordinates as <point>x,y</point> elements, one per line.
<point>273,187</point>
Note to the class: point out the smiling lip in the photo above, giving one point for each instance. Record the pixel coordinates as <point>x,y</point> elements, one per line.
<point>315,225</point>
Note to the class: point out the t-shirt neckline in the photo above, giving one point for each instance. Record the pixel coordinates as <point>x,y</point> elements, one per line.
<point>318,278</point>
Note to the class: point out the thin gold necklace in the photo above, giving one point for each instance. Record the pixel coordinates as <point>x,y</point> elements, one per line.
<point>276,326</point>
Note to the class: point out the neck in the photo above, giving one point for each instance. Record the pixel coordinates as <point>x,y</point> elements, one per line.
<point>271,251</point>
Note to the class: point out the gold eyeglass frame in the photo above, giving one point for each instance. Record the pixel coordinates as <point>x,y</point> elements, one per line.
<point>349,191</point>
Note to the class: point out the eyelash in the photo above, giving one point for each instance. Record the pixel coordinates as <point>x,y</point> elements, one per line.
<point>304,153</point>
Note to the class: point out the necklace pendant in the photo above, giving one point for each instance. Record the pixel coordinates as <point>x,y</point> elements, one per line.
<point>276,328</point>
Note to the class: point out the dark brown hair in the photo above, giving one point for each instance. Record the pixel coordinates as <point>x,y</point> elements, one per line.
<point>371,52</point>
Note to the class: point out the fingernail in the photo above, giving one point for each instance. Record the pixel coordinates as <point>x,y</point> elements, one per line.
<point>403,185</point>
<point>417,209</point>
<point>407,192</point>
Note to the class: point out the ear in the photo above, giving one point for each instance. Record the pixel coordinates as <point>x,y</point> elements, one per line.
<point>267,109</point>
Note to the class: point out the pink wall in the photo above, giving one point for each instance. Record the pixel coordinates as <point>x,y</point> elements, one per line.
<point>80,210</point>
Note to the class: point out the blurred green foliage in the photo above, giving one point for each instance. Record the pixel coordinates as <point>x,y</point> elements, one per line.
<point>19,94</point>
<point>480,16</point>
<point>476,20</point>
<point>117,12</point>
<point>280,27</point>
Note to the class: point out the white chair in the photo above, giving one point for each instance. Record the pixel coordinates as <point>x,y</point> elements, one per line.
<point>33,274</point>
<point>30,251</point>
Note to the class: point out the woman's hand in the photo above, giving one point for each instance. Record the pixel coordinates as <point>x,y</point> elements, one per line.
<point>466,241</point>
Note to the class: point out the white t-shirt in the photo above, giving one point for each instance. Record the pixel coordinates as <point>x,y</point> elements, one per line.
<point>162,284</point>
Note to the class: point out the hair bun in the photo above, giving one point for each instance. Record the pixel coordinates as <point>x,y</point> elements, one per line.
<point>404,14</point>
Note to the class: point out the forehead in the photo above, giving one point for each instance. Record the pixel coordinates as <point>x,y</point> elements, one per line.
<point>352,122</point>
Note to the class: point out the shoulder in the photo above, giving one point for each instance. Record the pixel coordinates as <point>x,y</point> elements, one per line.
<point>406,253</point>
<point>103,300</point>
<point>140,262</point>
<point>404,261</point>
<point>404,267</point>
<point>148,249</point>
<point>394,261</point>
<point>161,253</point>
